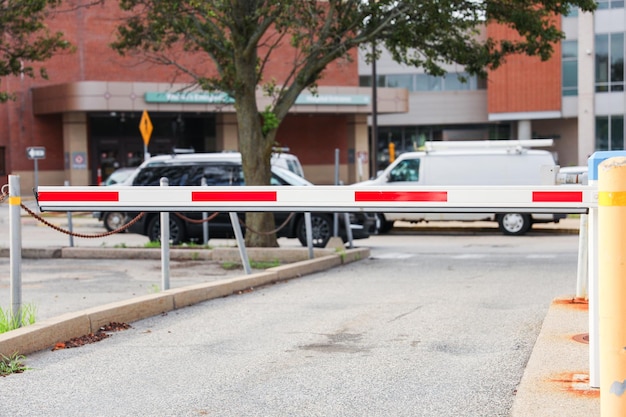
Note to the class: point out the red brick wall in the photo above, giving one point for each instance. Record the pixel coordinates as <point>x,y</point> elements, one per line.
<point>314,138</point>
<point>523,83</point>
<point>91,31</point>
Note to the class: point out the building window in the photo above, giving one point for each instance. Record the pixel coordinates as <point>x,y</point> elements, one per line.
<point>610,62</point>
<point>610,4</point>
<point>570,68</point>
<point>400,81</point>
<point>426,82</point>
<point>3,161</point>
<point>610,133</point>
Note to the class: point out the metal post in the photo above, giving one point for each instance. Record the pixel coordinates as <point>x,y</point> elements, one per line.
<point>583,259</point>
<point>15,252</point>
<point>336,215</point>
<point>612,285</point>
<point>165,243</point>
<point>309,233</point>
<point>70,226</point>
<point>205,224</point>
<point>346,221</point>
<point>241,244</point>
<point>36,176</point>
<point>374,148</point>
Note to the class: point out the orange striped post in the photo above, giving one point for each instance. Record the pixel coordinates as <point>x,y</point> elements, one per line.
<point>612,285</point>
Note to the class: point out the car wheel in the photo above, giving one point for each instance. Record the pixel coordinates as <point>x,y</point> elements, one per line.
<point>321,229</point>
<point>113,220</point>
<point>177,229</point>
<point>382,225</point>
<point>514,223</point>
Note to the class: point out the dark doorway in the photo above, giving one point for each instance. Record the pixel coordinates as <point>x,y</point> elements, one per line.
<point>116,142</point>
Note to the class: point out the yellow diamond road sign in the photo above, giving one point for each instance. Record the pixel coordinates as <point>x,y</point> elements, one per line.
<point>145,127</point>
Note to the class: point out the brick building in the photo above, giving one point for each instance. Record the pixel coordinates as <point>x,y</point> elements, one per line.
<point>576,98</point>
<point>86,115</point>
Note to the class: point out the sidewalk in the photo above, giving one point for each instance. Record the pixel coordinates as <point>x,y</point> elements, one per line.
<point>556,379</point>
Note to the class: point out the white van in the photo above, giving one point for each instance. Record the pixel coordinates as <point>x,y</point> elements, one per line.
<point>470,163</point>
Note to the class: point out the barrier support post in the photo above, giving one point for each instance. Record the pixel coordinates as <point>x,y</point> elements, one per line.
<point>582,277</point>
<point>165,243</point>
<point>612,285</point>
<point>15,252</point>
<point>241,243</point>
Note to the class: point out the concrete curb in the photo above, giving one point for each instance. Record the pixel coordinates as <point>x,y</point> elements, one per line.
<point>556,378</point>
<point>47,333</point>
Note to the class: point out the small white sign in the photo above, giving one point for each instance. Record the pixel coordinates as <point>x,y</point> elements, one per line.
<point>36,152</point>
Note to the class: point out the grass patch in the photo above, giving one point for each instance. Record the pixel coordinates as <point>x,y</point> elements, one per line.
<point>230,266</point>
<point>191,245</point>
<point>25,316</point>
<point>12,364</point>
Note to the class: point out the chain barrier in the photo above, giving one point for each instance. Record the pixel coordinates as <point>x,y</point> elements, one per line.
<point>67,232</point>
<point>5,194</point>
<point>197,221</point>
<point>241,222</point>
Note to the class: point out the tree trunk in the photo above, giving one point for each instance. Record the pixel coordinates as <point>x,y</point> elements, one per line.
<point>256,153</point>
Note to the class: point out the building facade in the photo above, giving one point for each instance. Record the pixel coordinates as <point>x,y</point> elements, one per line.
<point>576,98</point>
<point>86,115</point>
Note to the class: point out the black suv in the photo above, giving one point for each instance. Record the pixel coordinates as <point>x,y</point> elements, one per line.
<point>224,171</point>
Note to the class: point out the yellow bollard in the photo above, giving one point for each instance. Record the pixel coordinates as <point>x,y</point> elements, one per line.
<point>392,152</point>
<point>612,285</point>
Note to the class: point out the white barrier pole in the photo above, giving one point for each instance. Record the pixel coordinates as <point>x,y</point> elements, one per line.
<point>582,276</point>
<point>15,252</point>
<point>165,243</point>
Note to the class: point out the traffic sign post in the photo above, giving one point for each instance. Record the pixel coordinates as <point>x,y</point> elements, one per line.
<point>145,127</point>
<point>36,153</point>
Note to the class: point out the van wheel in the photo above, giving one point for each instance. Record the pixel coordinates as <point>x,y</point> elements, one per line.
<point>322,230</point>
<point>177,229</point>
<point>514,223</point>
<point>382,225</point>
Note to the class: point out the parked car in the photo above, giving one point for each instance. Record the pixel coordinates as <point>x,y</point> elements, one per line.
<point>224,169</point>
<point>112,220</point>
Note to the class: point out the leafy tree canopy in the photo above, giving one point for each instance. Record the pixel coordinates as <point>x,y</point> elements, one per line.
<point>241,36</point>
<point>25,39</point>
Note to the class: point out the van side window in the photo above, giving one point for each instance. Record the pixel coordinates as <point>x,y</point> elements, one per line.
<point>407,170</point>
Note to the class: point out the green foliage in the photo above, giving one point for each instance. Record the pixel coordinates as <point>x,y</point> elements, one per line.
<point>8,321</point>
<point>270,121</point>
<point>241,38</point>
<point>26,39</point>
<point>12,364</point>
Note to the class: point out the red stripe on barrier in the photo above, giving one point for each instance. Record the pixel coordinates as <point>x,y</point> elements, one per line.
<point>557,196</point>
<point>379,196</point>
<point>233,196</point>
<point>76,196</point>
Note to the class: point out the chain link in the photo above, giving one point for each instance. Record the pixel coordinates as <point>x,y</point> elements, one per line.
<point>67,232</point>
<point>4,195</point>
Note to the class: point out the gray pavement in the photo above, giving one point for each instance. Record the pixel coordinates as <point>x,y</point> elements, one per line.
<point>555,382</point>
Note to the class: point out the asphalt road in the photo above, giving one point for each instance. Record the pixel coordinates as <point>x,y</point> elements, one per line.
<point>437,325</point>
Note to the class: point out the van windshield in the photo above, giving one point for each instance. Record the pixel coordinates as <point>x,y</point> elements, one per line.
<point>407,170</point>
